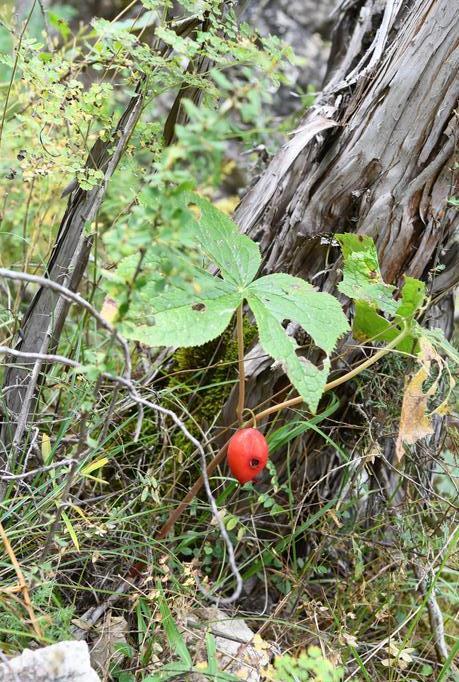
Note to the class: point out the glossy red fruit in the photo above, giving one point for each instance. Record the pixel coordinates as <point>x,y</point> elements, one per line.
<point>247,454</point>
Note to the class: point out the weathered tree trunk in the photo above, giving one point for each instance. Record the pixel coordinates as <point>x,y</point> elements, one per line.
<point>385,170</point>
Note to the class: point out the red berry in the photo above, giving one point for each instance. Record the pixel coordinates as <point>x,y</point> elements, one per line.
<point>247,454</point>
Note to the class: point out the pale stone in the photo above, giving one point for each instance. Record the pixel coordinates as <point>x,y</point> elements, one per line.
<point>62,662</point>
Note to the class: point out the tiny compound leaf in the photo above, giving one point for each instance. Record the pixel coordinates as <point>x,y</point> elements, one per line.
<point>308,380</point>
<point>235,254</point>
<point>362,279</point>
<point>291,298</point>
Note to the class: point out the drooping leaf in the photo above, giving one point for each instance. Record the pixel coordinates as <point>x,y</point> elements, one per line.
<point>291,298</point>
<point>369,324</point>
<point>308,380</point>
<point>362,279</point>
<point>438,339</point>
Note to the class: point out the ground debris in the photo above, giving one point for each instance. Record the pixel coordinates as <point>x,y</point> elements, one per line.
<point>239,651</point>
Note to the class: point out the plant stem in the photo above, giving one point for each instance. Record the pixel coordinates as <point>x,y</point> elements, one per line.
<point>340,380</point>
<point>220,456</point>
<point>22,585</point>
<point>240,356</point>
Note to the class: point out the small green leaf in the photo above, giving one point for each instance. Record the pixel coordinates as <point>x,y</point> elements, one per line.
<point>412,298</point>
<point>174,638</point>
<point>170,671</point>
<point>308,380</point>
<point>232,523</point>
<point>71,531</point>
<point>291,298</point>
<point>212,663</point>
<point>236,255</point>
<point>46,449</point>
<point>362,279</point>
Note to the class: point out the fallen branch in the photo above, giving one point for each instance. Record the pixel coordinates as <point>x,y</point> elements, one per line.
<point>435,615</point>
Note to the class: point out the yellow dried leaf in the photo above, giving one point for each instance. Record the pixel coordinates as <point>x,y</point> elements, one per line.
<point>335,518</point>
<point>415,423</point>
<point>45,448</point>
<point>228,204</point>
<point>109,310</point>
<point>93,466</point>
<point>349,639</point>
<point>71,530</point>
<point>259,644</point>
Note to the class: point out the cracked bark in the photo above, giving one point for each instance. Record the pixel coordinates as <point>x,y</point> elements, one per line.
<point>385,170</point>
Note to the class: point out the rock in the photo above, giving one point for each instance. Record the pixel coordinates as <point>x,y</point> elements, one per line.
<point>62,662</point>
<point>239,651</point>
<point>110,634</point>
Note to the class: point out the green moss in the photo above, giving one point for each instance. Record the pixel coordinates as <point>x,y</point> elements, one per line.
<point>208,372</point>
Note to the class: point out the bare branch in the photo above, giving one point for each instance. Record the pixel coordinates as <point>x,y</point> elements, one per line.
<point>75,298</point>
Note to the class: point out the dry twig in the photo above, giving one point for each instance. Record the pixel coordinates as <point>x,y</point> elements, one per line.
<point>22,585</point>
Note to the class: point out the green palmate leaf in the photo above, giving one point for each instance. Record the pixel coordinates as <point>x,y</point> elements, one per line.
<point>181,316</point>
<point>308,380</point>
<point>362,279</point>
<point>291,298</point>
<point>280,297</point>
<point>192,309</point>
<point>237,256</point>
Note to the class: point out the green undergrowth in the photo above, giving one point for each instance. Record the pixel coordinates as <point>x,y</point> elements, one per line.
<point>328,542</point>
